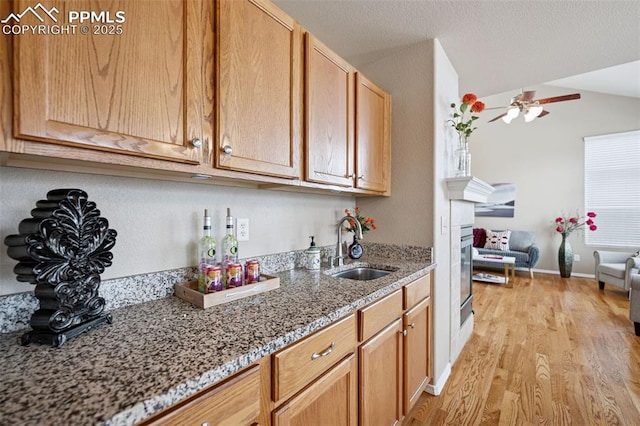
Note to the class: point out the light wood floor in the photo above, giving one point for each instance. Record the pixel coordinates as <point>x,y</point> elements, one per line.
<point>548,351</point>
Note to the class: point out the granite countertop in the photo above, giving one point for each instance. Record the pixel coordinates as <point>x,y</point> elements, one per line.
<point>159,352</point>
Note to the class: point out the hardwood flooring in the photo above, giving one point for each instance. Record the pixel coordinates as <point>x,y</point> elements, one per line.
<point>548,351</point>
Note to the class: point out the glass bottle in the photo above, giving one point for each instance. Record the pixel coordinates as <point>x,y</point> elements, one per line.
<point>206,252</point>
<point>229,247</point>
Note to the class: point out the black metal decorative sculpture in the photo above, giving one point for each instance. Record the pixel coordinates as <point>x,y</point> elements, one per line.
<point>63,249</point>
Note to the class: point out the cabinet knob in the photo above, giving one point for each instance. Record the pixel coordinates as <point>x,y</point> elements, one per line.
<point>412,325</point>
<point>227,149</point>
<point>361,177</point>
<point>197,143</point>
<point>403,332</point>
<point>205,424</point>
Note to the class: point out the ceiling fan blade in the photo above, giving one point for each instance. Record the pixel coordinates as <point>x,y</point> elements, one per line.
<point>543,113</point>
<point>559,98</point>
<point>527,96</point>
<point>498,117</point>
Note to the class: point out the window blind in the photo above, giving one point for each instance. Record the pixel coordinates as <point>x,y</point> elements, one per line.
<point>612,188</point>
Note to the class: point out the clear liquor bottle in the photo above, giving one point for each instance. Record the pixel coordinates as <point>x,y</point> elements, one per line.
<point>229,247</point>
<point>206,252</point>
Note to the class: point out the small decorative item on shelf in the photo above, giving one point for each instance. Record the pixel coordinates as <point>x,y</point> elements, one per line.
<point>62,249</point>
<point>462,121</point>
<point>565,226</point>
<point>355,250</point>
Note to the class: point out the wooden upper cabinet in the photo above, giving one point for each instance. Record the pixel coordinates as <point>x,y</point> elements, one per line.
<point>145,92</point>
<point>259,89</point>
<point>373,136</point>
<point>329,116</point>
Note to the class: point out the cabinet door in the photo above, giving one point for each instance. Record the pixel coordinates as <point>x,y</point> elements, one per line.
<point>380,372</point>
<point>236,402</point>
<point>125,92</point>
<point>329,111</point>
<point>416,352</point>
<point>259,87</point>
<point>373,136</point>
<point>330,400</point>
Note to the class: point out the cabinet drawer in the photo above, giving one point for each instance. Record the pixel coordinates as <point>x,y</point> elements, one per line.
<point>378,315</point>
<point>234,402</point>
<point>297,365</point>
<point>417,290</point>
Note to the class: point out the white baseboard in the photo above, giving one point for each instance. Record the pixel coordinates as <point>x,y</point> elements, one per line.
<point>439,384</point>
<point>547,271</point>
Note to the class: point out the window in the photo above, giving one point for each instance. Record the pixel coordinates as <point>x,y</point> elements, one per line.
<point>612,188</point>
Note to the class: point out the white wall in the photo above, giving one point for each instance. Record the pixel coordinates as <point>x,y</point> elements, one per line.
<point>159,222</point>
<point>417,77</point>
<point>545,159</point>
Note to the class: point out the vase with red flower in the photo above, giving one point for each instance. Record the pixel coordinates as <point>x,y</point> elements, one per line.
<point>462,121</point>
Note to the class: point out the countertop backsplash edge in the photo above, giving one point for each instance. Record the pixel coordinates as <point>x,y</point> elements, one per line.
<point>16,309</point>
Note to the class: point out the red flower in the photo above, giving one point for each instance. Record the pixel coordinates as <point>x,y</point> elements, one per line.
<point>469,98</point>
<point>559,220</point>
<point>589,222</point>
<point>593,227</point>
<point>591,214</point>
<point>477,107</point>
<point>573,220</point>
<point>560,229</point>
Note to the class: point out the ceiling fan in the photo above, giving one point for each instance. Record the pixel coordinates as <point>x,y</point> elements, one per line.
<point>531,108</point>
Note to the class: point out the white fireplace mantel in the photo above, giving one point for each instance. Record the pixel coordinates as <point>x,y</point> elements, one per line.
<point>469,188</point>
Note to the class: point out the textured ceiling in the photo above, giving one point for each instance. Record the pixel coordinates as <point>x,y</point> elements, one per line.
<point>495,46</point>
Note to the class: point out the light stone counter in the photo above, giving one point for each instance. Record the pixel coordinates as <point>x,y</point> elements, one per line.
<point>159,352</point>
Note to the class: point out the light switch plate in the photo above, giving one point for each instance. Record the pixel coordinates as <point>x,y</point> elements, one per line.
<point>243,229</point>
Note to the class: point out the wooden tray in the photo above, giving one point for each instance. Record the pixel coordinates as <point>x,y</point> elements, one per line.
<point>189,291</point>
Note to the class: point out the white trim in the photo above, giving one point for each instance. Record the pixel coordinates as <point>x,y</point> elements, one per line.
<point>468,189</point>
<point>442,380</point>
<point>548,271</point>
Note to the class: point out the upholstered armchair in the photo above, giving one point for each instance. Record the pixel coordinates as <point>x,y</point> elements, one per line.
<point>617,268</point>
<point>634,305</point>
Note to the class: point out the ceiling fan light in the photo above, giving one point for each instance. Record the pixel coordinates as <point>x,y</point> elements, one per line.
<point>512,113</point>
<point>536,110</point>
<point>528,117</point>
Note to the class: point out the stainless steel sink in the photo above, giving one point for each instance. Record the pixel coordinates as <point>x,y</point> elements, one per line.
<point>362,274</point>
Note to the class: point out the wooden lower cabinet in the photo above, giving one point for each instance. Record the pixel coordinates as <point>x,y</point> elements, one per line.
<point>235,402</point>
<point>380,377</point>
<point>330,400</point>
<point>416,322</point>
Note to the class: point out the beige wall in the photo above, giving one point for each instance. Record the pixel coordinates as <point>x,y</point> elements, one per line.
<point>419,77</point>
<point>545,159</point>
<point>158,222</point>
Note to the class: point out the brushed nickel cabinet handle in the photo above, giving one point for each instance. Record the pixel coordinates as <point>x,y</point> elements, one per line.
<point>197,143</point>
<point>403,332</point>
<point>227,149</point>
<point>412,325</point>
<point>325,353</point>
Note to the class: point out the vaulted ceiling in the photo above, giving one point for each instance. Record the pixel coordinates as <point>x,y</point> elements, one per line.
<point>494,45</point>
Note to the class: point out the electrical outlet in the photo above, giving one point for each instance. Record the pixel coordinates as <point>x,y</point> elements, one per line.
<point>576,258</point>
<point>243,229</point>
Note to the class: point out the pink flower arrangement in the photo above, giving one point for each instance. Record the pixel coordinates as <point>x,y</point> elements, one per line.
<point>566,225</point>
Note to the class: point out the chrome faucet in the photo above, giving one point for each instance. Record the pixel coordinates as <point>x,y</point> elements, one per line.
<point>340,255</point>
